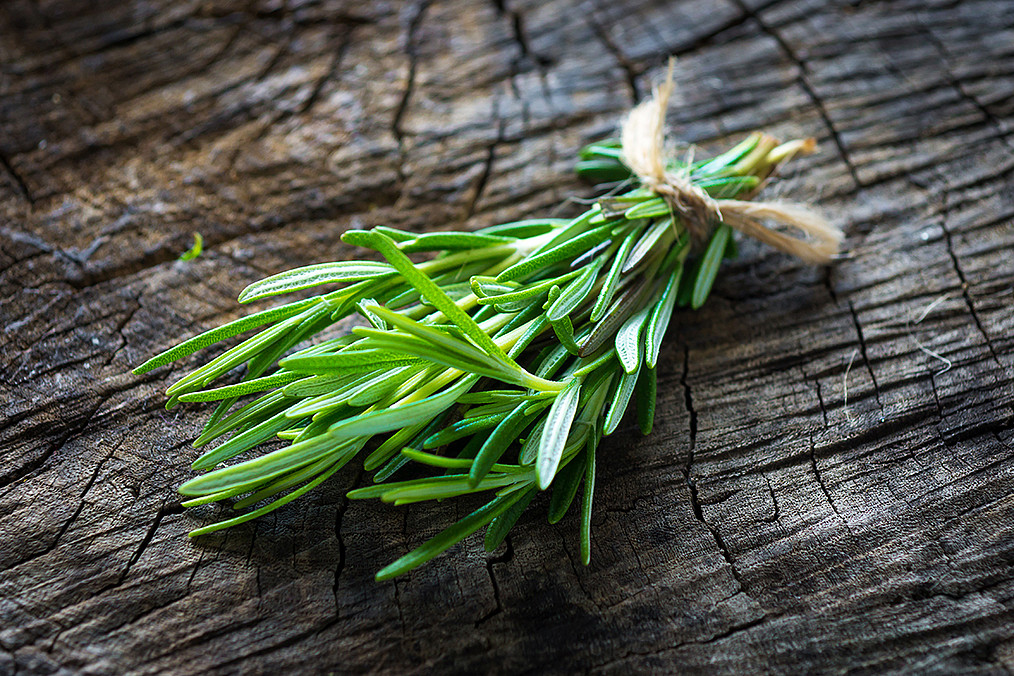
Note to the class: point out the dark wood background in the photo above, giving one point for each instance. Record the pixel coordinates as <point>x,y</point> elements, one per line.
<point>788,514</point>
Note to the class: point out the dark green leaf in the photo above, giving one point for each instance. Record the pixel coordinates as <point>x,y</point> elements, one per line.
<point>646,385</point>
<point>565,488</point>
<point>507,430</point>
<point>449,537</point>
<point>710,262</point>
<point>501,525</point>
<point>562,252</point>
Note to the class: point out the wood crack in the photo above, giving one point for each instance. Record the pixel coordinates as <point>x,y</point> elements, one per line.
<point>487,168</point>
<point>695,501</point>
<point>506,557</point>
<point>965,294</point>
<point>74,428</point>
<point>343,508</point>
<point>19,183</point>
<point>820,479</point>
<point>804,82</point>
<point>520,35</point>
<point>946,57</point>
<point>162,512</point>
<point>629,69</point>
<point>864,354</point>
<point>412,51</point>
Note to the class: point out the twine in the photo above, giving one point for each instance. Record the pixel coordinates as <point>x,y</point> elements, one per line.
<point>643,142</point>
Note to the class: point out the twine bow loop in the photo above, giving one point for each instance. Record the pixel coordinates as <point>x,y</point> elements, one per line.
<point>643,142</point>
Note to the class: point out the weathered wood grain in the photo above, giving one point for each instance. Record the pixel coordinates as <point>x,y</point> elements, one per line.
<point>820,494</point>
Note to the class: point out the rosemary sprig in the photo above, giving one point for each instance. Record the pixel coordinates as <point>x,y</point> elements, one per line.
<point>494,367</point>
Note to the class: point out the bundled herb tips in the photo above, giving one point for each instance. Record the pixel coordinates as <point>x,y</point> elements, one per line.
<point>497,365</point>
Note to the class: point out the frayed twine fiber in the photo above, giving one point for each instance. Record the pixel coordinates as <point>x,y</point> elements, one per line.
<point>643,141</point>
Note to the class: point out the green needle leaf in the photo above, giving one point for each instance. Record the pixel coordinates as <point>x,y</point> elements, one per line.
<point>613,276</point>
<point>651,208</point>
<point>389,419</point>
<point>259,470</point>
<point>314,275</point>
<point>646,387</point>
<point>660,316</point>
<point>621,397</point>
<point>449,537</point>
<point>628,340</point>
<point>462,428</point>
<point>649,243</point>
<point>565,488</point>
<point>244,388</point>
<point>586,502</point>
<point>496,444</point>
<point>525,229</point>
<point>564,251</point>
<point>555,432</point>
<point>575,292</point>
<point>500,526</point>
<point>429,290</point>
<point>347,361</point>
<point>453,241</point>
<point>710,262</point>
<point>245,440</point>
<point>270,507</point>
<point>229,330</point>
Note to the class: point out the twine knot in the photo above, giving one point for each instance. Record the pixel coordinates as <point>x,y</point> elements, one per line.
<point>643,142</point>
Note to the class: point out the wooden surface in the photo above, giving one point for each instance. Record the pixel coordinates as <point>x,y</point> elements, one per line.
<point>820,493</point>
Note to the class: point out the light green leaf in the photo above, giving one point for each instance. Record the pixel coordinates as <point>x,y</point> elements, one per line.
<point>525,229</point>
<point>651,208</point>
<point>453,241</point>
<point>621,397</point>
<point>208,338</point>
<point>388,419</point>
<point>274,505</point>
<point>245,440</point>
<point>554,435</point>
<point>232,357</point>
<point>259,470</point>
<point>586,501</point>
<point>462,428</point>
<point>352,360</point>
<point>613,276</point>
<point>314,275</point>
<point>562,252</point>
<point>507,430</point>
<point>429,290</point>
<point>244,388</point>
<point>656,237</point>
<point>575,292</point>
<point>660,316</point>
<point>194,251</point>
<point>564,331</point>
<point>628,340</point>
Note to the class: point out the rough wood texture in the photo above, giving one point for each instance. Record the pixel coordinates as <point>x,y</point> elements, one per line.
<point>768,524</point>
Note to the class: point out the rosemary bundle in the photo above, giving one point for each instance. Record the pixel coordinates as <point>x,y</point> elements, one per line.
<point>497,365</point>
